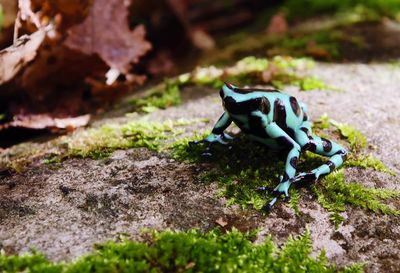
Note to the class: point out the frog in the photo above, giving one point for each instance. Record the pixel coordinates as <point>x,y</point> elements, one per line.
<point>280,122</point>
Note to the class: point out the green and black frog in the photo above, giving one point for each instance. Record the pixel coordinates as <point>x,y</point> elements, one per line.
<point>280,122</point>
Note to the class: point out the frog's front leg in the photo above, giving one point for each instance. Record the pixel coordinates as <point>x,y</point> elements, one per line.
<point>217,134</point>
<point>284,140</point>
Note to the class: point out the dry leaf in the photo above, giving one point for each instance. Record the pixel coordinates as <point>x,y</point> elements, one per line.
<point>314,50</point>
<point>269,73</point>
<point>221,221</point>
<point>278,24</point>
<point>14,58</point>
<point>106,32</point>
<point>43,121</point>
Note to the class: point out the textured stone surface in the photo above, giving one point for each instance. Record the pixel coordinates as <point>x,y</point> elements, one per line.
<point>62,210</point>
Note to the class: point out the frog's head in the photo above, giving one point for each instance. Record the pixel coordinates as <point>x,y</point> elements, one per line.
<point>226,90</point>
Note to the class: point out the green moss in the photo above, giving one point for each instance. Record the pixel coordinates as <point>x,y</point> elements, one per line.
<point>312,83</point>
<point>334,193</point>
<point>190,251</point>
<point>355,138</point>
<point>294,200</point>
<point>100,142</point>
<point>322,44</point>
<point>355,9</point>
<point>183,151</point>
<point>51,160</point>
<point>160,99</point>
<point>277,71</point>
<point>238,172</point>
<point>368,161</point>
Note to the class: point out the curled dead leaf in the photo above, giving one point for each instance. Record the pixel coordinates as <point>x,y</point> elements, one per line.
<point>43,121</point>
<point>278,24</point>
<point>221,221</point>
<point>15,57</point>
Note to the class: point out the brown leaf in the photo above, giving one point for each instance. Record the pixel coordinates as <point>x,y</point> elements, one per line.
<point>278,24</point>
<point>316,51</point>
<point>14,58</point>
<point>106,32</point>
<point>43,121</point>
<point>221,221</point>
<point>269,73</point>
<point>26,13</point>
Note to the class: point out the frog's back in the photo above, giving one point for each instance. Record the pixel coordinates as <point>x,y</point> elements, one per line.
<point>283,109</point>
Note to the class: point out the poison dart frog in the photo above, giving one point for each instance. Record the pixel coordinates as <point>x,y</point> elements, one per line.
<point>280,122</point>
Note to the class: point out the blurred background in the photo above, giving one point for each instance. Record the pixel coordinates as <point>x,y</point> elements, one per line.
<point>64,62</point>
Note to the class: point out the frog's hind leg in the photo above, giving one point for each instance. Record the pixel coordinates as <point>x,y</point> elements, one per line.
<point>336,153</point>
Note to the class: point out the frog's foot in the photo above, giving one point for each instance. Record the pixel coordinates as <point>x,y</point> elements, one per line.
<point>222,139</point>
<point>265,189</point>
<point>281,190</point>
<point>305,178</point>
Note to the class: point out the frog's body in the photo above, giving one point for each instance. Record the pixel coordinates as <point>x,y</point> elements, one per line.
<point>278,121</point>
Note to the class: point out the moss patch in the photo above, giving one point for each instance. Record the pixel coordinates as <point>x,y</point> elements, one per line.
<point>190,251</point>
<point>160,98</point>
<point>97,142</point>
<point>355,10</point>
<point>334,193</point>
<point>277,71</point>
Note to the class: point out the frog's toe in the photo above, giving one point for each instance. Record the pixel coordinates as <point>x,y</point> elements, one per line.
<point>267,208</point>
<point>282,189</point>
<point>264,189</point>
<point>206,154</point>
<point>304,178</point>
<point>227,137</point>
<point>194,143</point>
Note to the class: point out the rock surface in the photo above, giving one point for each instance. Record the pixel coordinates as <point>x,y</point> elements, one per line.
<point>63,209</point>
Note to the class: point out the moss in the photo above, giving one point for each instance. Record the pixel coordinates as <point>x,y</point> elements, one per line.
<point>190,251</point>
<point>356,9</point>
<point>321,44</point>
<point>357,142</point>
<point>355,138</point>
<point>159,99</point>
<point>51,160</point>
<point>368,161</point>
<point>100,142</point>
<point>294,200</point>
<point>334,193</point>
<point>277,71</point>
<point>312,83</point>
<point>238,171</point>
